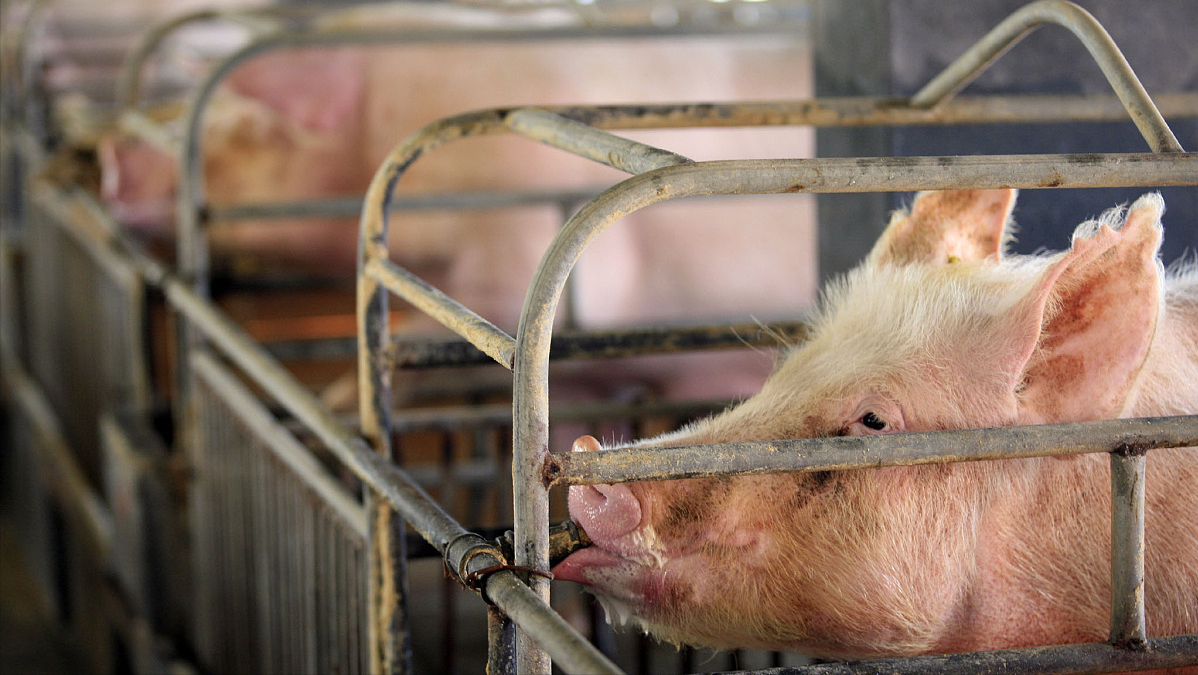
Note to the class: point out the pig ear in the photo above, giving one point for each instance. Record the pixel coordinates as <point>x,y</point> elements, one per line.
<point>1095,311</point>
<point>947,226</point>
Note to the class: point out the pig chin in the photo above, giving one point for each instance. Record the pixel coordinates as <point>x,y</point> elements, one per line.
<point>627,573</point>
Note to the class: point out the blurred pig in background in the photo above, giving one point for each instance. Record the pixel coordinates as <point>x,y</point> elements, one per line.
<point>317,122</point>
<point>936,330</point>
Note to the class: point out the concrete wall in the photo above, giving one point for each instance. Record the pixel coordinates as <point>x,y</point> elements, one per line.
<point>915,39</point>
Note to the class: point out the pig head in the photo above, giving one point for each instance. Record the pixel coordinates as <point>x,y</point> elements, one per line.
<point>935,330</point>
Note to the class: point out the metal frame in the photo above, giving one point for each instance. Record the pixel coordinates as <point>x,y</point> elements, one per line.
<point>515,604</point>
<point>660,176</point>
<point>282,31</point>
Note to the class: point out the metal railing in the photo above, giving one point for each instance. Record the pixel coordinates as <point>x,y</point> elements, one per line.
<point>660,176</point>
<point>316,531</point>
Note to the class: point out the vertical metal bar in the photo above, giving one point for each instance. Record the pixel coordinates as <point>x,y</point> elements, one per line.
<point>501,643</point>
<point>1127,548</point>
<point>312,586</point>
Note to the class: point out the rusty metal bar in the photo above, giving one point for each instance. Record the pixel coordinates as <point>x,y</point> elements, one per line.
<point>1128,465</point>
<point>870,111</point>
<point>1077,659</point>
<point>603,344</point>
<point>1095,38</point>
<point>454,315</point>
<point>586,141</point>
<point>852,452</point>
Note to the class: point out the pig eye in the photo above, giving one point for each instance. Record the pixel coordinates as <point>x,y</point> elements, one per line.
<point>872,421</point>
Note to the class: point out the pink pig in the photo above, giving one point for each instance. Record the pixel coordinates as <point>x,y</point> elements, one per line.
<point>936,330</point>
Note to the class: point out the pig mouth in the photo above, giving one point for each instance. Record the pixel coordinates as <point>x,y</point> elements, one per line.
<point>629,586</point>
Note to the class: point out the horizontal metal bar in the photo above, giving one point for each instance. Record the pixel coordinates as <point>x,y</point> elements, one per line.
<point>323,348</point>
<point>1096,40</point>
<point>587,141</point>
<point>872,111</point>
<point>451,313</point>
<point>352,206</point>
<point>1076,659</point>
<point>901,174</point>
<point>500,414</point>
<point>604,344</point>
<point>854,452</point>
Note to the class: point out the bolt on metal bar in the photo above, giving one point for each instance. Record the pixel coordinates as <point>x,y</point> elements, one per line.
<point>1096,40</point>
<point>1127,546</point>
<point>586,141</point>
<point>853,452</point>
<point>454,315</point>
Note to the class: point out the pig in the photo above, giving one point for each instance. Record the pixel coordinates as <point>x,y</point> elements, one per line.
<point>309,123</point>
<point>936,329</point>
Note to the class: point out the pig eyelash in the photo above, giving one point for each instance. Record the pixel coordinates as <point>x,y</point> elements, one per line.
<point>870,420</point>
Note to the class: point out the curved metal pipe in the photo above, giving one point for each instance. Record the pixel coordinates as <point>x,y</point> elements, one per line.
<point>1096,40</point>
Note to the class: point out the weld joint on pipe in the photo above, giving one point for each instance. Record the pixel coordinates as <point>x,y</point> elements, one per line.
<point>551,470</point>
<point>1132,449</point>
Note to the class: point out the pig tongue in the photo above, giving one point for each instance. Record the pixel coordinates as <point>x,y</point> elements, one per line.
<point>606,512</point>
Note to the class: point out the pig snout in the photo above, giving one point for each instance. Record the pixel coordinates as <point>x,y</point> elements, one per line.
<point>605,512</point>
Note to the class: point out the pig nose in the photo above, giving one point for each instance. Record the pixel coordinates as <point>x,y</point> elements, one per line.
<point>586,444</point>
<point>606,512</point>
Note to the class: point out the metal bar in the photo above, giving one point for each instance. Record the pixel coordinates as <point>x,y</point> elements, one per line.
<point>852,452</point>
<point>352,206</point>
<point>587,141</point>
<point>530,413</point>
<point>454,315</point>
<point>139,126</point>
<point>1077,659</point>
<point>602,344</point>
<point>1127,545</point>
<point>1096,40</point>
<point>282,444</point>
<point>859,111</point>
<point>450,419</point>
<point>828,112</point>
<point>64,475</point>
<point>571,652</point>
<point>128,87</point>
<point>501,637</point>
